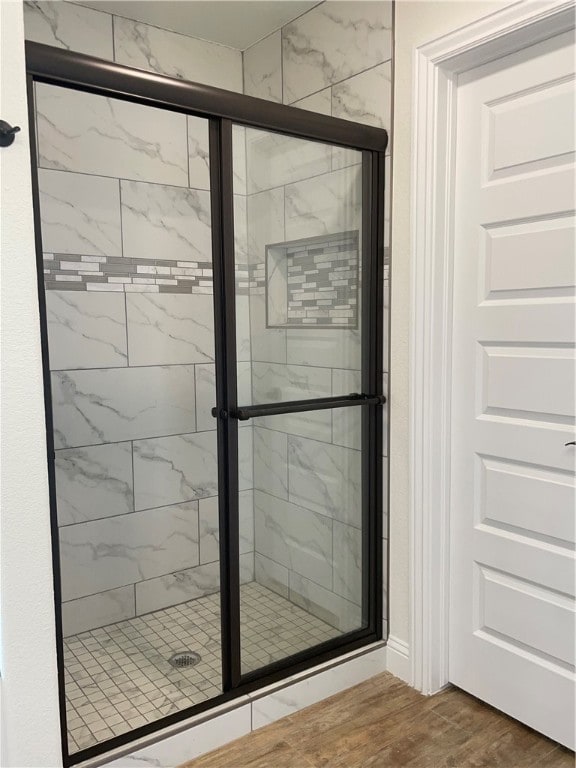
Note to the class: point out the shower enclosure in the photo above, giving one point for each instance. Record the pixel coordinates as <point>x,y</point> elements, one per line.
<point>210,284</point>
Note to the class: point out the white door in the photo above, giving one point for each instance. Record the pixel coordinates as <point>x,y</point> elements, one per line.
<point>512,619</point>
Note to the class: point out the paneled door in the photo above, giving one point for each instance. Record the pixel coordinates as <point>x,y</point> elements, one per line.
<point>512,510</point>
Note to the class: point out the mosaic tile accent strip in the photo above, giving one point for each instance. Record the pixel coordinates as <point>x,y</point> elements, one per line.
<point>118,273</point>
<point>313,282</point>
<point>119,677</point>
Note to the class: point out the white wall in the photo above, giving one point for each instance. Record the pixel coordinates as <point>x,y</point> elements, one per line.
<point>416,23</point>
<point>30,727</point>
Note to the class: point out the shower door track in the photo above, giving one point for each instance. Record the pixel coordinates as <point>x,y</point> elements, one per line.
<point>222,108</point>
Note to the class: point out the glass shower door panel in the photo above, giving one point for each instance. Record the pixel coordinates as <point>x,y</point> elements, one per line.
<point>307,538</point>
<point>126,233</point>
<point>297,220</point>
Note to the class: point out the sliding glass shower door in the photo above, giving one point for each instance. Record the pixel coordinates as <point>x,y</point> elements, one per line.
<point>302,325</point>
<point>211,319</point>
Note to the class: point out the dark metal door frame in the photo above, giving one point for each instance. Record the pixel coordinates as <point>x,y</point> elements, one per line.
<point>223,108</point>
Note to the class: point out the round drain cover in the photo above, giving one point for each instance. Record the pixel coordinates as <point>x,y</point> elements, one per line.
<point>184,659</point>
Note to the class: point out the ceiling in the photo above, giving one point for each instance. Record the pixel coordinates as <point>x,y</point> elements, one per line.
<point>236,23</point>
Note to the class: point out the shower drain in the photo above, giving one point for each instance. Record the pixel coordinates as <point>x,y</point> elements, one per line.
<point>184,659</point>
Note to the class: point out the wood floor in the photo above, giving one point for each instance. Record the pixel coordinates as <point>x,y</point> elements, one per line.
<point>384,723</point>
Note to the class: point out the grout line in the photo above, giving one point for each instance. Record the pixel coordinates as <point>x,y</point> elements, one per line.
<point>280,28</point>
<point>339,82</point>
<point>113,37</point>
<point>122,178</point>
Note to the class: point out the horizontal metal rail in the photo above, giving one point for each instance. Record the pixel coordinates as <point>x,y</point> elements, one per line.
<point>87,73</point>
<point>245,412</point>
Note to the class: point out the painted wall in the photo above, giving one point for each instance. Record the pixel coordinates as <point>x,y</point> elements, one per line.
<point>30,717</point>
<point>334,60</point>
<point>416,23</point>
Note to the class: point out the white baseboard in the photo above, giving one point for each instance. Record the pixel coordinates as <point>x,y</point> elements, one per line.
<point>398,659</point>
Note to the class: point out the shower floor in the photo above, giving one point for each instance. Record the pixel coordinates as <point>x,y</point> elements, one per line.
<point>118,677</point>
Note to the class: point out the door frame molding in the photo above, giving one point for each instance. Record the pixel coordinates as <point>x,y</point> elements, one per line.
<point>437,65</point>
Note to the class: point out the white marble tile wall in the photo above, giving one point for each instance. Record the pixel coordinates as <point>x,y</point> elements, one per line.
<point>333,42</point>
<point>165,222</point>
<point>118,551</point>
<point>263,68</point>
<point>80,213</point>
<point>94,482</point>
<point>67,25</point>
<point>131,182</point>
<point>168,53</point>
<point>70,26</point>
<point>333,60</point>
<point>91,134</point>
<point>86,330</point>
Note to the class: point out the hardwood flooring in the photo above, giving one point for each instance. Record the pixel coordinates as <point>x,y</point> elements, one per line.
<point>384,723</point>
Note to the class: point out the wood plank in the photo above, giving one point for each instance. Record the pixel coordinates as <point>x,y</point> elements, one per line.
<point>384,722</point>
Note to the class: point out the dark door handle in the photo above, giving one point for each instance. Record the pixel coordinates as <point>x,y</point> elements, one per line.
<point>572,442</point>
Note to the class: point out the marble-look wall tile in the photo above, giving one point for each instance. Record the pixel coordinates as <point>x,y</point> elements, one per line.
<point>177,587</point>
<point>277,383</point>
<point>247,568</point>
<point>324,205</point>
<point>271,574</point>
<point>210,529</point>
<point>338,348</point>
<point>296,538</point>
<point>346,422</point>
<point>320,102</point>
<point>365,98</point>
<point>203,735</point>
<point>70,26</point>
<point>325,604</point>
<point>271,462</point>
<point>86,330</point>
<point>325,478</point>
<point>300,691</point>
<point>273,159</point>
<point>94,482</point>
<point>246,520</point>
<point>239,159</point>
<point>164,222</point>
<point>115,404</point>
<point>263,68</point>
<point>93,134</point>
<point>116,551</point>
<point>189,584</point>
<point>80,214</point>
<point>198,153</point>
<point>243,340</point>
<point>169,53</point>
<point>265,215</point>
<point>273,383</point>
<point>268,344</point>
<point>165,328</point>
<point>347,546</point>
<point>245,459</point>
<point>206,394</point>
<point>172,469</point>
<point>240,230</point>
<point>333,42</point>
<point>98,610</point>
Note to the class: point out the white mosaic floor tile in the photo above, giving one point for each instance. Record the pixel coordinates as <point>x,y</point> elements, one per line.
<point>119,678</point>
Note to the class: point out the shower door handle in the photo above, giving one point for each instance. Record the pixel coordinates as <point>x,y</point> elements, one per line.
<point>245,412</point>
